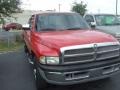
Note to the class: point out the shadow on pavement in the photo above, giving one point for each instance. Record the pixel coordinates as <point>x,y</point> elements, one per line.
<point>95,85</point>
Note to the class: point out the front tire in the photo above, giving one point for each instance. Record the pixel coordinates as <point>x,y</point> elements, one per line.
<point>40,82</point>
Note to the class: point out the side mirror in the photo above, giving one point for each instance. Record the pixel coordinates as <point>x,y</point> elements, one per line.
<point>93,24</point>
<point>26,27</point>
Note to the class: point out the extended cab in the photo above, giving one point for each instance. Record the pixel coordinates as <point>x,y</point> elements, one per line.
<point>64,50</point>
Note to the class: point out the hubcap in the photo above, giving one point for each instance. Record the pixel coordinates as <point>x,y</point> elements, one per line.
<point>34,70</point>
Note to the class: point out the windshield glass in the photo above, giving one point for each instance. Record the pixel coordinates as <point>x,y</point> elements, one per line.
<point>70,21</point>
<point>103,20</point>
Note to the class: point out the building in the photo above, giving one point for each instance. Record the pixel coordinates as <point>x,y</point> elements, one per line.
<point>21,18</point>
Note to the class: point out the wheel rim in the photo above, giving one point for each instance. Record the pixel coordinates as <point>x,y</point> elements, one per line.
<point>30,61</point>
<point>30,58</point>
<point>34,72</point>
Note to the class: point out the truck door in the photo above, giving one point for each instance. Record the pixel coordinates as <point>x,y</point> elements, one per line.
<point>27,33</point>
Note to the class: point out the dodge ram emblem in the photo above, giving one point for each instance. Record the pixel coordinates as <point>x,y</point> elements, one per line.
<point>95,50</point>
<point>95,47</point>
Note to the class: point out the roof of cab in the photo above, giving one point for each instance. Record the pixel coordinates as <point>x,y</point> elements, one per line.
<point>52,13</point>
<point>98,14</point>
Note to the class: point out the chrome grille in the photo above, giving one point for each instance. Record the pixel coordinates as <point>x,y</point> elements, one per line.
<point>79,51</point>
<point>90,52</point>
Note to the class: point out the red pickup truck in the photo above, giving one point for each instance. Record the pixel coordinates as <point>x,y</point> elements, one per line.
<point>65,51</point>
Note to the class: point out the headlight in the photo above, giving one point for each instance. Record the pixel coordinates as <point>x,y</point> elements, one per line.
<point>49,60</point>
<point>117,35</point>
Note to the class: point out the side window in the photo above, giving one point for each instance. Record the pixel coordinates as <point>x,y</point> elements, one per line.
<point>89,18</point>
<point>31,21</point>
<point>38,23</point>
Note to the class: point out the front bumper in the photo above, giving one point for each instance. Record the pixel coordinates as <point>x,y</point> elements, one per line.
<point>68,75</point>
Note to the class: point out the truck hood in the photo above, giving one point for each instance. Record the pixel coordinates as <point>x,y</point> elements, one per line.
<point>58,39</point>
<point>115,29</point>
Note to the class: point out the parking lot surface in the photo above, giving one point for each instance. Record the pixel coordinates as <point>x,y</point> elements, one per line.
<point>16,74</point>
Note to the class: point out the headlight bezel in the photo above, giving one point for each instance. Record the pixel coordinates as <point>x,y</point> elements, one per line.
<point>117,35</point>
<point>49,60</point>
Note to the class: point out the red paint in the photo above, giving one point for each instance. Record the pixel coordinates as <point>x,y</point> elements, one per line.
<point>48,43</point>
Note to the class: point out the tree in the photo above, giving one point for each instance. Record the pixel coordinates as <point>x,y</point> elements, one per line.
<point>8,7</point>
<point>79,8</point>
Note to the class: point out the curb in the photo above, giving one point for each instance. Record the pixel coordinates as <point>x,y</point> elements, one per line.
<point>6,52</point>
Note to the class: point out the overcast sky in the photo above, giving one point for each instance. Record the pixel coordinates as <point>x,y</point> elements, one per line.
<point>93,6</point>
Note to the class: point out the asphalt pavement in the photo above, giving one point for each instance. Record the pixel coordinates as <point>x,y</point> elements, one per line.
<point>16,74</point>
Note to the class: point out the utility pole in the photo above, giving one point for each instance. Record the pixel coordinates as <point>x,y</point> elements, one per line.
<point>99,11</point>
<point>116,7</point>
<point>59,7</point>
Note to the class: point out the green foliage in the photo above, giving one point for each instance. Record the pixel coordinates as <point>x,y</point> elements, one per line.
<point>2,20</point>
<point>8,7</point>
<point>79,8</point>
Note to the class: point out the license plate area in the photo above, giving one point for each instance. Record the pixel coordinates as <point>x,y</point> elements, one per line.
<point>92,73</point>
<point>77,75</point>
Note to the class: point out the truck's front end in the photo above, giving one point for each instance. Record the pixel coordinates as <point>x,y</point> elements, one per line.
<point>80,62</point>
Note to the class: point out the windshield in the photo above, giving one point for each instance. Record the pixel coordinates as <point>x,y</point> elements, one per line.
<point>70,21</point>
<point>103,20</point>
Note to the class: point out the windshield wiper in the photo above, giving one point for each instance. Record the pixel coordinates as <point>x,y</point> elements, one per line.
<point>53,29</point>
<point>48,29</point>
<point>76,28</point>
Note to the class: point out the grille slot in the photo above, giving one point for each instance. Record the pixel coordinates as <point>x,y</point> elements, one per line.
<point>76,75</point>
<point>79,58</point>
<point>90,52</point>
<point>79,51</point>
<point>107,52</point>
<point>108,48</point>
<point>108,55</point>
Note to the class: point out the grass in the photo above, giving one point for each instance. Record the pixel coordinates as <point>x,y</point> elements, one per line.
<point>15,30</point>
<point>12,47</point>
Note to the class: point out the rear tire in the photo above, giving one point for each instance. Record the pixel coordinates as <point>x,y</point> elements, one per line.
<point>25,49</point>
<point>28,55</point>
